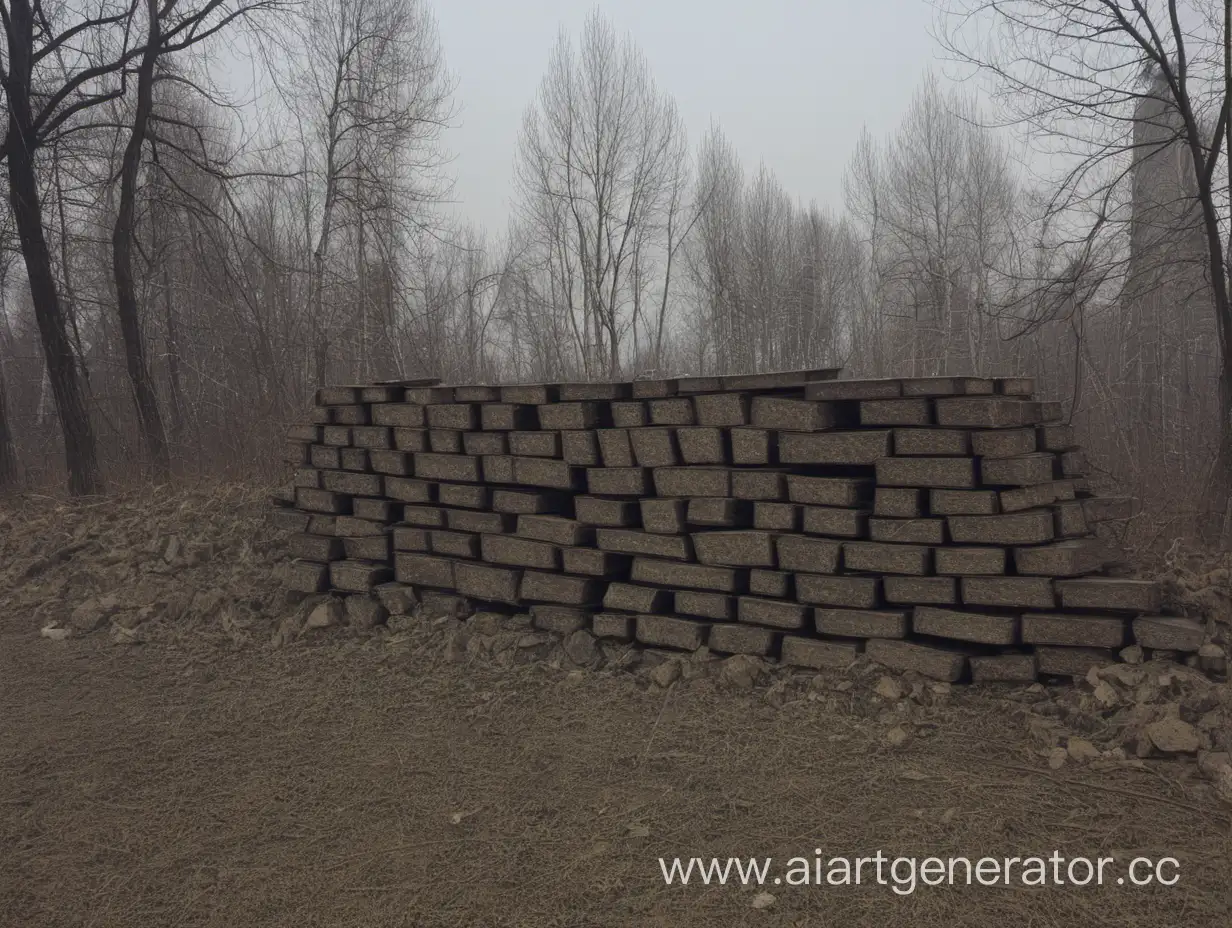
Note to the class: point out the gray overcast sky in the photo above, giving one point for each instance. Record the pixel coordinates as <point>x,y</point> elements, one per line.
<point>790,81</point>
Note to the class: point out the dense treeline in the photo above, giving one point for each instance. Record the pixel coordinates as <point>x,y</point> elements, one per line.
<point>181,268</point>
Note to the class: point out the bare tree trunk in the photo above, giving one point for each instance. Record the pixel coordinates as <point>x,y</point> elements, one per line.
<point>8,455</point>
<point>79,448</point>
<point>148,417</point>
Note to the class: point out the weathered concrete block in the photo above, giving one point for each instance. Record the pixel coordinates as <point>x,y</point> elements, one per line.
<point>561,588</point>
<point>411,539</point>
<point>584,415</point>
<point>1003,668</point>
<point>1072,558</point>
<point>340,481</point>
<point>987,413</point>
<point>792,415</point>
<point>428,394</point>
<point>371,436</point>
<point>896,412</point>
<point>534,444</point>
<point>580,447</point>
<point>1071,662</point>
<point>773,612</point>
<point>753,447</point>
<point>1016,386</point>
<point>835,522</point>
<point>854,389</point>
<point>735,549</point>
<point>555,530</point>
<point>957,473</point>
<point>463,417</point>
<point>602,390</point>
<point>908,531</point>
<point>612,625</point>
<point>519,552</point>
<point>370,548</point>
<point>931,443</point>
<point>673,411</point>
<point>307,576</point>
<point>979,627</point>
<point>505,417</point>
<point>546,472</point>
<point>776,517</point>
<point>932,591</point>
<point>717,606</point>
<point>948,386</point>
<point>862,623</point>
<point>323,457</point>
<point>476,393</point>
<point>671,632</point>
<point>445,441</point>
<point>351,527</point>
<point>445,543</point>
<point>484,443</point>
<point>688,576</point>
<point>400,415</point>
<point>875,557</point>
<point>288,520</point>
<point>1022,471</point>
<point>1110,593</point>
<point>613,513</point>
<point>1168,633</point>
<point>457,468</point>
<point>393,463</point>
<point>497,468</point>
<point>779,380</point>
<point>464,496</point>
<point>807,555</point>
<point>741,639</point>
<point>315,547</point>
<point>530,394</point>
<point>703,445</point>
<point>652,389</point>
<point>630,414</point>
<point>655,447</point>
<point>833,447</point>
<point>311,500</point>
<point>421,570</point>
<point>722,409</point>
<point>1009,592</point>
<point>493,584</point>
<point>1070,519</point>
<point>424,516</point>
<point>321,524</point>
<point>1004,443</point>
<point>1036,497</point>
<point>963,502</point>
<point>848,592</point>
<point>1034,526</point>
<point>592,562</point>
<point>397,598</point>
<point>1080,631</point>
<point>355,459</point>
<point>1074,464</point>
<point>899,503</point>
<point>718,512</point>
<point>615,448</point>
<point>561,620</point>
<point>692,481</point>
<point>828,491</point>
<point>629,541</point>
<point>818,655</point>
<point>758,484</point>
<point>463,520</point>
<point>349,415</point>
<point>411,439</point>
<point>319,415</point>
<point>774,584</point>
<point>307,477</point>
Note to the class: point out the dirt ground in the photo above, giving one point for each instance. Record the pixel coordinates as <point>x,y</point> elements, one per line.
<point>207,777</point>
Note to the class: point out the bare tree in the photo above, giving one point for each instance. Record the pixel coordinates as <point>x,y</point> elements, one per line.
<point>600,172</point>
<point>1103,87</point>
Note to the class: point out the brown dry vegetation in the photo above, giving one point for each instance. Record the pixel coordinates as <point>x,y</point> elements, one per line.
<point>208,777</point>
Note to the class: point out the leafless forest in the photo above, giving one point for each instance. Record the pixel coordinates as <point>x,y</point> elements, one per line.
<point>184,262</point>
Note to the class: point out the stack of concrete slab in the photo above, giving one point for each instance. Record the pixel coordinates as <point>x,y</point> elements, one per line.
<point>942,525</point>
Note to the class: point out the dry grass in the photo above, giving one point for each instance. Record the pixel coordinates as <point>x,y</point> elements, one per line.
<point>205,779</point>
